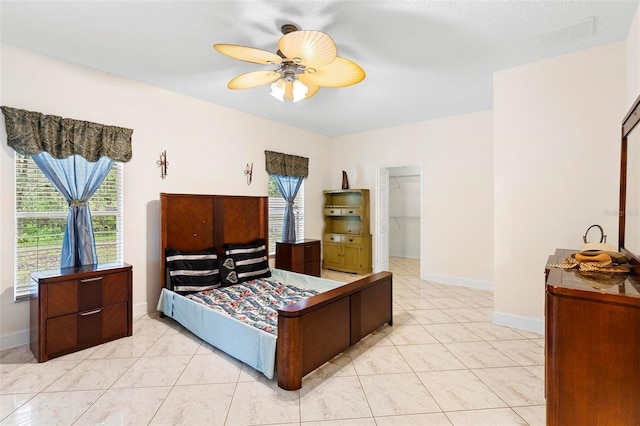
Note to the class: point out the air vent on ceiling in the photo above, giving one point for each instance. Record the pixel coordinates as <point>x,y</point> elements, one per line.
<point>570,33</point>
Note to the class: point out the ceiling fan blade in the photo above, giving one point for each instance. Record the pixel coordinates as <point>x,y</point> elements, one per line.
<point>339,73</point>
<point>253,79</point>
<point>313,88</point>
<point>308,48</point>
<point>248,54</point>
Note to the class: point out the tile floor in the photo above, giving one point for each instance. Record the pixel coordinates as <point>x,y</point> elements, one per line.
<point>442,363</point>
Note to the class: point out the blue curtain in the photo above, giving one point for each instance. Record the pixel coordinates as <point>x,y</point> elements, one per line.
<point>288,187</point>
<point>77,180</point>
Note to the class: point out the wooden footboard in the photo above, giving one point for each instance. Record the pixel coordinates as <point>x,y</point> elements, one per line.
<point>314,330</point>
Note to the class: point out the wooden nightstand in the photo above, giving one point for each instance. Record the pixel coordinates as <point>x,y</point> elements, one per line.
<point>301,256</point>
<point>75,308</point>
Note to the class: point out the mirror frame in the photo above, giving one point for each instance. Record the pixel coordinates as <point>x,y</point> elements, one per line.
<point>629,123</point>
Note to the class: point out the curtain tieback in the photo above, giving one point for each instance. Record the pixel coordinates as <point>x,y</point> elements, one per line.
<point>290,203</point>
<point>77,203</point>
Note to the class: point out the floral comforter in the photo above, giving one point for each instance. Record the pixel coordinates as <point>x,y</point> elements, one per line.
<point>253,302</point>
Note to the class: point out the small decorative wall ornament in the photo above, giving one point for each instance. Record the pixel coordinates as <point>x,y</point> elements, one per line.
<point>345,180</point>
<point>248,172</point>
<point>163,163</point>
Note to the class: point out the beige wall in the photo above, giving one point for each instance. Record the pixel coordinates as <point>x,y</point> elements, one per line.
<point>207,147</point>
<point>455,154</point>
<point>633,60</point>
<point>556,168</point>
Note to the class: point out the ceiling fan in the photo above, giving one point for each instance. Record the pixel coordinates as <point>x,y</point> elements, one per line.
<point>305,61</point>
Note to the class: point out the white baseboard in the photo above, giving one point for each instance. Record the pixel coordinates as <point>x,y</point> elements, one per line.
<point>521,323</point>
<point>15,339</point>
<point>140,310</point>
<point>464,282</point>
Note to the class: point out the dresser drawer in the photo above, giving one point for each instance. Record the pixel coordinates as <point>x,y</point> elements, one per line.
<point>90,327</point>
<point>115,288</point>
<point>62,298</point>
<point>114,321</point>
<point>311,252</point>
<point>61,334</point>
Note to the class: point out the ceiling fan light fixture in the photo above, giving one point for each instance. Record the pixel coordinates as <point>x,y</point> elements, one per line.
<point>289,88</point>
<point>299,90</point>
<point>278,88</point>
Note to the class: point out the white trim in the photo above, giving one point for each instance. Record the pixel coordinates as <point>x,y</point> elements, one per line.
<point>141,309</point>
<point>521,323</point>
<point>460,281</point>
<point>15,339</point>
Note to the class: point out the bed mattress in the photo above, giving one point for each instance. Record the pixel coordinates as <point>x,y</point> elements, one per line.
<point>231,326</point>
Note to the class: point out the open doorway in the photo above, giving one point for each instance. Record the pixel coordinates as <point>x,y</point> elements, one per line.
<point>398,230</point>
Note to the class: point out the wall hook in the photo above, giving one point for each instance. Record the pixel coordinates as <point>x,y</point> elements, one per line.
<point>163,163</point>
<point>248,172</point>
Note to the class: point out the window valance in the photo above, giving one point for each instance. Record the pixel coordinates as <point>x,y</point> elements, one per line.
<point>286,165</point>
<point>30,133</point>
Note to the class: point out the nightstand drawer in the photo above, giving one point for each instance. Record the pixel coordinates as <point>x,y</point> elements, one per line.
<point>62,298</point>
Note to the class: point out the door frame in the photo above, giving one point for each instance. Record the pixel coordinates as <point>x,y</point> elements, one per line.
<point>378,209</point>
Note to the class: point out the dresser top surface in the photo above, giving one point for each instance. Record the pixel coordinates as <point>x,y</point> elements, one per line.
<point>600,285</point>
<point>82,269</point>
<point>299,241</point>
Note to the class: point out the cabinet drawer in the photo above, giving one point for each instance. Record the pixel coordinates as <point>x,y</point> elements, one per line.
<point>62,298</point>
<point>311,252</point>
<point>332,238</point>
<point>312,268</point>
<point>332,211</point>
<point>115,321</point>
<point>352,211</point>
<point>90,293</point>
<point>116,288</point>
<point>337,211</point>
<point>62,333</point>
<point>351,239</point>
<point>89,327</point>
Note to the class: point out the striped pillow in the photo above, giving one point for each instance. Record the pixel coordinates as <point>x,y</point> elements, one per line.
<point>192,271</point>
<point>244,262</point>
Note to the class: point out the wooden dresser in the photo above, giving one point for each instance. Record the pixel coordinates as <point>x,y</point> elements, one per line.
<point>592,348</point>
<point>75,308</point>
<point>301,256</point>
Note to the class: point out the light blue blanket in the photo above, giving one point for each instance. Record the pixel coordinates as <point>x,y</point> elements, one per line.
<point>248,344</point>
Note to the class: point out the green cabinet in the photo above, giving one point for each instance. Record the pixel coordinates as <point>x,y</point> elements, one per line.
<point>347,238</point>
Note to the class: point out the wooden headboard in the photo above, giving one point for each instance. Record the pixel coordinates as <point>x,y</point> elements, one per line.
<point>197,222</point>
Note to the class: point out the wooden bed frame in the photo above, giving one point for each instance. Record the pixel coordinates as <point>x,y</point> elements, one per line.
<point>310,332</point>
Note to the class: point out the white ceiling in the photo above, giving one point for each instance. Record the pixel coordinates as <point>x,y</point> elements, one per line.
<point>423,59</point>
